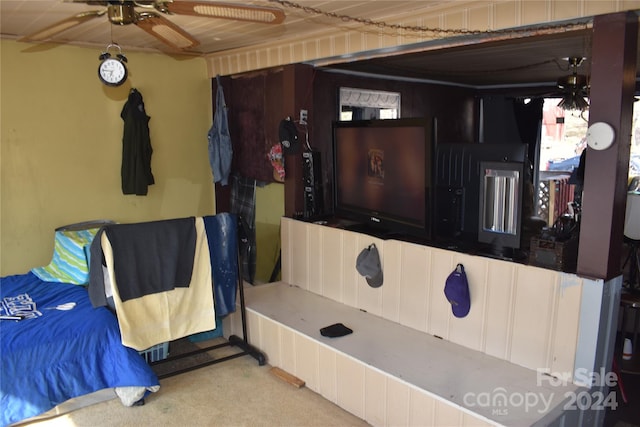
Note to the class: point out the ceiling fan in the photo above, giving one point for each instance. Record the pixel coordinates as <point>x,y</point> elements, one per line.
<point>574,88</point>
<point>148,16</point>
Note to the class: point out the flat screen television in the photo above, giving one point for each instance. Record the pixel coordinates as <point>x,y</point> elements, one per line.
<point>383,173</point>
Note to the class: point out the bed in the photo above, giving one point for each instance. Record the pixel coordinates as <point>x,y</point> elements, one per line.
<point>55,345</point>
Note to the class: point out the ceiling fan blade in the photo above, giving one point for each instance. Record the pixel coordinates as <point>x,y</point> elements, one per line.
<point>63,25</point>
<point>166,31</point>
<point>206,9</point>
<point>89,2</point>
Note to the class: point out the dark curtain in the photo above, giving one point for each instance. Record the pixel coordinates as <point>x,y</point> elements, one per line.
<point>243,204</point>
<point>528,118</point>
<point>247,125</point>
<point>529,121</point>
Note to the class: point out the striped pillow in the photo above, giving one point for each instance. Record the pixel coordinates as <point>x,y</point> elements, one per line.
<point>70,263</point>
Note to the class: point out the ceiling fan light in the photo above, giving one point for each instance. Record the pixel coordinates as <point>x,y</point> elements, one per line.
<point>582,103</point>
<point>572,101</point>
<point>238,13</point>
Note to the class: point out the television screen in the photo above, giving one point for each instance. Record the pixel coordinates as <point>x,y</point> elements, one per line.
<point>382,173</point>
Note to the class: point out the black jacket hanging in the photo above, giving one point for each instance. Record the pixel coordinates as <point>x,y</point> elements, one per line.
<point>136,147</point>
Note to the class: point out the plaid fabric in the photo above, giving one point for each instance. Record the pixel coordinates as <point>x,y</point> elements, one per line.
<point>243,204</point>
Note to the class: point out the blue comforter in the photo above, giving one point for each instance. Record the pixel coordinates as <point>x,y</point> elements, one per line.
<point>53,355</point>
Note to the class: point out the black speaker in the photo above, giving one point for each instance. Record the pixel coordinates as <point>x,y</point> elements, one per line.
<point>449,212</point>
<point>312,183</point>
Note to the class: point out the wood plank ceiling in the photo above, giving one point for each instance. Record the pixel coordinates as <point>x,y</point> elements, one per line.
<point>494,62</point>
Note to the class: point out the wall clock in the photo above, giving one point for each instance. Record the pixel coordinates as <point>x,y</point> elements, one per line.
<point>112,71</point>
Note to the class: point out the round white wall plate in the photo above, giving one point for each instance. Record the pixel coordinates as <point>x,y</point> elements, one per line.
<point>600,136</point>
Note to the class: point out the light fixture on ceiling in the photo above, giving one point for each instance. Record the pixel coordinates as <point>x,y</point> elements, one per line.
<point>152,19</point>
<point>574,87</point>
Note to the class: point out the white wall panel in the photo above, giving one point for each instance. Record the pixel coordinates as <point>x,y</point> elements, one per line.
<point>442,264</point>
<point>421,408</point>
<point>398,394</point>
<point>328,377</point>
<point>350,384</point>
<point>332,263</point>
<point>447,415</point>
<point>414,286</point>
<point>307,363</point>
<point>286,257</point>
<point>394,276</point>
<point>498,313</point>
<point>375,385</point>
<point>469,420</point>
<point>565,339</point>
<point>352,279</point>
<point>315,255</point>
<point>518,313</point>
<point>269,341</point>
<point>534,308</point>
<point>288,350</point>
<point>298,241</point>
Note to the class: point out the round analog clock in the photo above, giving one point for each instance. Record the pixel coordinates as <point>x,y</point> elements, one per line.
<point>112,71</point>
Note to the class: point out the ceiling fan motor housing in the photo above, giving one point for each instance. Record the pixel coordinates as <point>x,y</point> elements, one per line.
<point>122,13</point>
<point>573,81</point>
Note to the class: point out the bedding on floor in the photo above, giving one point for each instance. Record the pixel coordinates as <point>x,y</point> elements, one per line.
<point>62,347</point>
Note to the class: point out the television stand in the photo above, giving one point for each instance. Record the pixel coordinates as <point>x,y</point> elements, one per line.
<point>360,227</point>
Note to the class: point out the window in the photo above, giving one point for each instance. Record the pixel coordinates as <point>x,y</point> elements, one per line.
<point>563,138</point>
<point>364,104</point>
<point>562,142</point>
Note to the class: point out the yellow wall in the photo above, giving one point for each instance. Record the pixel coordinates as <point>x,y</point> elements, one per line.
<point>61,142</point>
<point>269,210</point>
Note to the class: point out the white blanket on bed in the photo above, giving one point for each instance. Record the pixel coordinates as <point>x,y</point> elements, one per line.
<point>166,316</point>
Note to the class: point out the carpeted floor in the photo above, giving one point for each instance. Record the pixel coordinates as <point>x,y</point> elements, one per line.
<point>239,392</point>
<point>236,392</point>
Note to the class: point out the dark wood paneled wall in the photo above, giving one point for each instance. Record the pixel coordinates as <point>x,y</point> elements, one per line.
<point>278,93</point>
<point>453,108</point>
<point>257,102</point>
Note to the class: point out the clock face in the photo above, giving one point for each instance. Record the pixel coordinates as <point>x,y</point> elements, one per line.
<point>112,72</point>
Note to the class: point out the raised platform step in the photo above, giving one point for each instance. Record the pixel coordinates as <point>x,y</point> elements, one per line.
<point>492,390</point>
